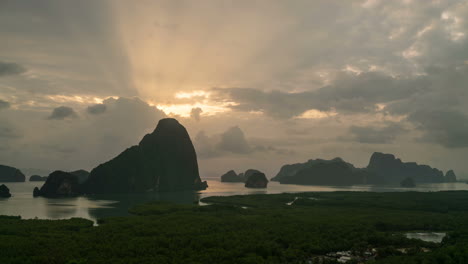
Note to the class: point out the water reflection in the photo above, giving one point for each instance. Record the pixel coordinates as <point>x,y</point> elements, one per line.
<point>60,208</point>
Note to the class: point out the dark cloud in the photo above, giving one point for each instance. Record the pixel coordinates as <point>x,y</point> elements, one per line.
<point>9,68</point>
<point>195,113</point>
<point>4,104</point>
<point>96,109</point>
<point>350,93</point>
<point>232,141</point>
<point>376,135</point>
<point>62,112</point>
<point>440,111</point>
<point>445,127</point>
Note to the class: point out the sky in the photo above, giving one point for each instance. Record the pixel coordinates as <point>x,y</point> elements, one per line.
<point>257,83</point>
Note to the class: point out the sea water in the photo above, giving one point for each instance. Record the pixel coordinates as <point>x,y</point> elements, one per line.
<point>22,203</point>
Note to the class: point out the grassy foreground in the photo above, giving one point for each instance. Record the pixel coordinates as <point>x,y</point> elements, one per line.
<point>253,229</point>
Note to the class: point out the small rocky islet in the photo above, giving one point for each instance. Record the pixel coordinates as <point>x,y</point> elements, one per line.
<point>251,178</point>
<point>4,191</point>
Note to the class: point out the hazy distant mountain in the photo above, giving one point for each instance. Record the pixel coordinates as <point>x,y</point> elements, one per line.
<point>164,160</point>
<point>37,178</point>
<point>10,174</point>
<point>34,171</point>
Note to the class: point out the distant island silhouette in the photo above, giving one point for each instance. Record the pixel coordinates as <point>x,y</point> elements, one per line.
<point>37,178</point>
<point>11,174</point>
<point>382,169</point>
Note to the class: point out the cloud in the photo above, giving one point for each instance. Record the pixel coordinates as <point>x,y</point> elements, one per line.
<point>376,135</point>
<point>4,104</point>
<point>204,146</point>
<point>62,112</point>
<point>233,140</point>
<point>8,132</point>
<point>350,93</point>
<point>445,127</point>
<point>59,148</point>
<point>96,109</point>
<point>195,113</point>
<point>10,68</point>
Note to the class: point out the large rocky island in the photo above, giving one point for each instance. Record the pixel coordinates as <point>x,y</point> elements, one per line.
<point>382,169</point>
<point>164,160</point>
<point>10,174</point>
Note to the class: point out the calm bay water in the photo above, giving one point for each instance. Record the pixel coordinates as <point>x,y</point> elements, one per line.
<point>93,207</point>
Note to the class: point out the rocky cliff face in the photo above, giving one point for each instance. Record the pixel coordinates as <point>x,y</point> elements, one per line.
<point>58,184</point>
<point>392,170</point>
<point>10,174</point>
<point>164,160</point>
<point>325,172</point>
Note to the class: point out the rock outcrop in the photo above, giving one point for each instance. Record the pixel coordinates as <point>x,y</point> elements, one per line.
<point>408,183</point>
<point>37,178</point>
<point>256,180</point>
<point>59,184</point>
<point>392,170</point>
<point>164,160</point>
<point>450,176</point>
<point>231,176</point>
<point>249,173</point>
<point>4,191</point>
<point>81,174</point>
<point>325,172</point>
<point>10,174</point>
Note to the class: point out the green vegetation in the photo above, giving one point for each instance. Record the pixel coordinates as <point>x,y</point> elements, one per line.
<point>252,229</point>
